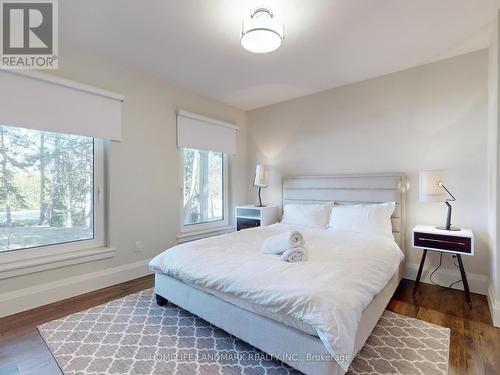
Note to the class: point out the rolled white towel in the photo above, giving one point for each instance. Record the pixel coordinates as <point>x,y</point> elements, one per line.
<point>295,254</point>
<point>281,242</point>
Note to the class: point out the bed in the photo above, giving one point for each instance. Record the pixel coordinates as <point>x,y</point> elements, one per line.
<point>313,337</point>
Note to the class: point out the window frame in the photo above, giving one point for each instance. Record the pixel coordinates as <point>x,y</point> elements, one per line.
<point>187,230</point>
<point>98,210</point>
<point>30,260</point>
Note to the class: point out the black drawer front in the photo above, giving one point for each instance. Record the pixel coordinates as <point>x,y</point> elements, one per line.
<point>437,241</point>
<point>242,223</point>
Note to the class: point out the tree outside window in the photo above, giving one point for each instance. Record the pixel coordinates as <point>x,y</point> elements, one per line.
<point>46,188</point>
<point>203,196</point>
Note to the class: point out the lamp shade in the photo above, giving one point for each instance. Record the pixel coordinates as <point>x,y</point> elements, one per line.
<point>261,33</point>
<point>260,176</point>
<point>430,187</point>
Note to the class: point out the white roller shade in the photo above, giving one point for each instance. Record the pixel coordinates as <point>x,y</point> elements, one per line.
<point>40,101</point>
<point>204,133</point>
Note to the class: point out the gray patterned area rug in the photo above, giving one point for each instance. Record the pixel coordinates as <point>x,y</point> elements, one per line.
<point>133,335</point>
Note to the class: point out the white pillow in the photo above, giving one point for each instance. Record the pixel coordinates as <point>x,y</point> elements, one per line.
<point>372,218</point>
<point>308,215</point>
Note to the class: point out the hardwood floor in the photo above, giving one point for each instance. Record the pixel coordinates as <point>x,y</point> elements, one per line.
<point>475,343</point>
<point>474,349</point>
<point>23,351</point>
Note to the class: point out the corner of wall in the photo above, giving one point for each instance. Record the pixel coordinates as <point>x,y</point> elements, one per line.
<point>494,306</point>
<point>493,294</point>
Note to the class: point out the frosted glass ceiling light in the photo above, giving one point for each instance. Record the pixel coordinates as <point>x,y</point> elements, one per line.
<point>261,33</point>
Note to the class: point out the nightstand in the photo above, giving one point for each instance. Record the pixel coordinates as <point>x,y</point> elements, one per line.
<point>456,242</point>
<point>252,216</point>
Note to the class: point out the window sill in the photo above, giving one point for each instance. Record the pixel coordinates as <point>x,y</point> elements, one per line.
<point>28,261</point>
<point>196,235</point>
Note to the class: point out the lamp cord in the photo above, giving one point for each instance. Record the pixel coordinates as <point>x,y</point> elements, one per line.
<point>439,265</point>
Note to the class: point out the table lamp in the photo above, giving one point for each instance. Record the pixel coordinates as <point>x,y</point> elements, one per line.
<point>260,180</point>
<point>432,189</point>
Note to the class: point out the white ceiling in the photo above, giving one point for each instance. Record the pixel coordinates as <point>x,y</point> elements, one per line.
<point>328,43</point>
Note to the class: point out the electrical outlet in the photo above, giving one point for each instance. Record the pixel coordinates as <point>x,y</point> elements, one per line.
<point>138,246</point>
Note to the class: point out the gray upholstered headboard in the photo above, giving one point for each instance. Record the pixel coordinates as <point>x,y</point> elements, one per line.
<point>352,189</point>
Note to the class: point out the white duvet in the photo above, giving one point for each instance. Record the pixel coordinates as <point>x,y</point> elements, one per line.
<point>329,292</point>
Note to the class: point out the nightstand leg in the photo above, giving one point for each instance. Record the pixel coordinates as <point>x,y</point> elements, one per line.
<point>464,280</point>
<point>419,273</point>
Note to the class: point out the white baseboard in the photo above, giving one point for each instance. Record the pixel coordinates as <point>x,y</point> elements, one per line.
<point>445,276</point>
<point>494,306</point>
<point>38,295</point>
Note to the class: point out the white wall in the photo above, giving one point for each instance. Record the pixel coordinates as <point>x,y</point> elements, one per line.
<point>433,116</point>
<point>430,117</point>
<point>144,177</point>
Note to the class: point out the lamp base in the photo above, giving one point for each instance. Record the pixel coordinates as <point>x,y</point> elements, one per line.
<point>454,229</point>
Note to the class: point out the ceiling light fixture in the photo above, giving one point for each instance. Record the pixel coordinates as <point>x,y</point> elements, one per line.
<point>261,33</point>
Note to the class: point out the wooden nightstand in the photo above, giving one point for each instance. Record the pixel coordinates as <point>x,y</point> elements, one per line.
<point>252,216</point>
<point>445,241</point>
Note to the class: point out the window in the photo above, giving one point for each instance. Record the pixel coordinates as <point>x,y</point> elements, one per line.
<point>49,189</point>
<point>204,203</point>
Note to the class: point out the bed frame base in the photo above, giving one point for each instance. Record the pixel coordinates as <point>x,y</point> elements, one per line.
<point>290,345</point>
